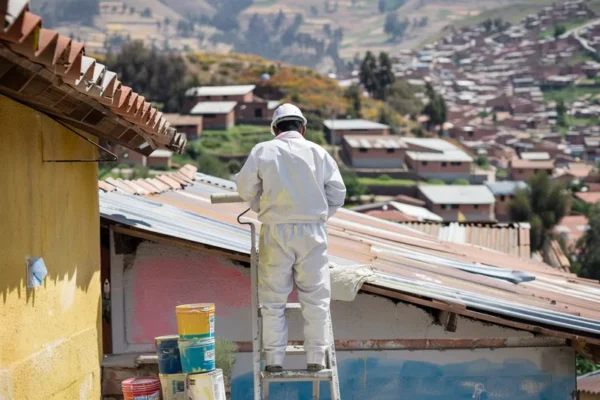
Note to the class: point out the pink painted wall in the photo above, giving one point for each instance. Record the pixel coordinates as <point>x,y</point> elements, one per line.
<point>163,278</point>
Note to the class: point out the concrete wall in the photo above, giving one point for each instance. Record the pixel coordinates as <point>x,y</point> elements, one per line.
<point>246,112</point>
<point>49,341</point>
<point>501,208</point>
<point>375,157</point>
<point>149,282</point>
<point>219,121</point>
<point>525,174</point>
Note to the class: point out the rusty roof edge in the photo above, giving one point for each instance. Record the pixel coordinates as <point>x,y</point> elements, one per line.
<point>69,68</point>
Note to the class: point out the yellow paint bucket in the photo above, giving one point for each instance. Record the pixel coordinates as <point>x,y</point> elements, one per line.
<point>196,321</point>
<point>208,386</point>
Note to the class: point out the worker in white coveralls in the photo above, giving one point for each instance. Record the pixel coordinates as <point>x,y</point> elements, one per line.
<point>295,186</point>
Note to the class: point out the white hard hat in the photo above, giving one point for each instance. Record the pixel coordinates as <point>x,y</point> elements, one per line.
<point>287,112</point>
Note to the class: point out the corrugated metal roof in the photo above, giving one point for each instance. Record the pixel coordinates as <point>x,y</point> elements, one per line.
<point>213,107</point>
<point>448,156</point>
<point>420,213</point>
<point>415,266</point>
<point>506,188</point>
<point>457,194</point>
<point>378,142</point>
<point>73,86</point>
<point>353,124</point>
<point>233,90</point>
<point>589,383</point>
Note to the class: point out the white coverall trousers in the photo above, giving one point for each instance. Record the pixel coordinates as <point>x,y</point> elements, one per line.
<point>288,253</point>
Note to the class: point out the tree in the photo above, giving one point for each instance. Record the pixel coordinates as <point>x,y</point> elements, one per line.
<point>367,72</point>
<point>483,162</point>
<point>424,21</point>
<point>589,247</point>
<point>384,116</point>
<point>354,188</point>
<point>327,29</point>
<point>543,205</point>
<point>147,13</point>
<point>354,94</point>
<point>488,24</point>
<point>561,113</point>
<point>559,30</point>
<point>401,97</point>
<point>394,27</point>
<point>314,11</point>
<point>436,108</point>
<point>382,6</point>
<point>385,75</point>
<point>279,21</point>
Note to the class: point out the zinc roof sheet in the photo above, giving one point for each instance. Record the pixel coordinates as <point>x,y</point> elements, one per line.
<point>213,107</point>
<point>417,267</point>
<point>233,90</point>
<point>457,194</point>
<point>353,124</point>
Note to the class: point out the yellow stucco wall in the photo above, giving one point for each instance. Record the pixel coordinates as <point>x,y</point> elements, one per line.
<point>49,336</point>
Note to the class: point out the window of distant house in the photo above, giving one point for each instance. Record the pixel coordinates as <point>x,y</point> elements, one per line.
<point>535,171</point>
<point>258,113</point>
<point>447,207</point>
<point>363,150</point>
<point>470,134</point>
<point>390,151</point>
<point>520,171</point>
<point>455,206</point>
<point>424,163</point>
<point>209,116</point>
<point>225,97</point>
<point>444,164</point>
<point>476,206</point>
<point>502,198</point>
<point>456,164</point>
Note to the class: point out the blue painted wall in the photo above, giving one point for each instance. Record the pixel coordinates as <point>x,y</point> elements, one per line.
<point>537,374</point>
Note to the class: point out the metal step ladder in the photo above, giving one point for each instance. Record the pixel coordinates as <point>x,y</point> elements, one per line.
<point>262,379</point>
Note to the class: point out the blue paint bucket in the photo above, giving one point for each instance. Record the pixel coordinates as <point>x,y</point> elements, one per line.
<point>197,355</point>
<point>167,349</point>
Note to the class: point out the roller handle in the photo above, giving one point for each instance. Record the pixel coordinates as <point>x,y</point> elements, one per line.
<point>221,198</point>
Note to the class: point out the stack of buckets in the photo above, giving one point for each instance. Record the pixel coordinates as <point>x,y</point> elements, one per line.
<point>186,362</point>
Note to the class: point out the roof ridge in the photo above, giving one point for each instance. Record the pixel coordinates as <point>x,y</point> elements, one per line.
<point>175,180</point>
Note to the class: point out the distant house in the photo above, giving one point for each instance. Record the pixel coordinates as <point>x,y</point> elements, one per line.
<point>524,170</point>
<point>374,151</point>
<point>255,112</point>
<point>572,228</point>
<point>437,159</point>
<point>535,156</point>
<point>504,192</point>
<point>336,129</point>
<point>471,133</point>
<point>459,203</point>
<point>158,159</point>
<point>237,93</point>
<point>216,114</point>
<point>190,125</point>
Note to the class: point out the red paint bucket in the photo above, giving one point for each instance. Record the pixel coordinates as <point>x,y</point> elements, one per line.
<point>141,388</point>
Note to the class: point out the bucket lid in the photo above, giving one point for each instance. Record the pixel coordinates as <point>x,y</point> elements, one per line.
<point>166,338</point>
<point>148,382</point>
<point>185,308</point>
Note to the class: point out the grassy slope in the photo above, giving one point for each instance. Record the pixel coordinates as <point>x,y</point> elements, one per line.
<point>303,86</point>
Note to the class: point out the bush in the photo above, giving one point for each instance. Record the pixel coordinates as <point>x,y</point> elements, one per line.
<point>234,166</point>
<point>316,137</point>
<point>384,177</point>
<point>461,182</point>
<point>438,182</point>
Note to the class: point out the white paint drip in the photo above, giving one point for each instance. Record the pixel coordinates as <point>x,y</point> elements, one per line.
<point>86,387</point>
<point>5,385</point>
<point>67,293</point>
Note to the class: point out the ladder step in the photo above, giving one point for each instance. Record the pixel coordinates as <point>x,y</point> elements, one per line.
<point>296,375</point>
<point>295,350</point>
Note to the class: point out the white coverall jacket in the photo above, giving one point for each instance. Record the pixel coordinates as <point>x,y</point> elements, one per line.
<point>295,187</point>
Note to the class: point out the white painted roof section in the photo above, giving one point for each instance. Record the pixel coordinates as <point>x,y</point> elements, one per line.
<point>161,153</point>
<point>353,124</point>
<point>536,156</point>
<point>456,194</point>
<point>440,150</point>
<point>376,142</point>
<point>272,104</point>
<point>420,213</point>
<point>234,90</point>
<point>213,107</point>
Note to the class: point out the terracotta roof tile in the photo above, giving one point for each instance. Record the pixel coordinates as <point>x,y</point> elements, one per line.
<point>23,39</point>
<point>170,182</point>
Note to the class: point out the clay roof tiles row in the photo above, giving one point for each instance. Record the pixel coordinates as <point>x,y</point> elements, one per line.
<point>23,38</point>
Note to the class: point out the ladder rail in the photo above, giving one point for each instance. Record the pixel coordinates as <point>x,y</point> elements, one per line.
<point>256,326</point>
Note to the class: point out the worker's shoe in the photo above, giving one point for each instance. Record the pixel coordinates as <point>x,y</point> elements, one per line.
<point>274,368</point>
<point>314,367</point>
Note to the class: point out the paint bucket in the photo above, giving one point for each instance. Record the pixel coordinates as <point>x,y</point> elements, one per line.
<point>196,321</point>
<point>209,386</point>
<point>167,350</point>
<point>173,386</point>
<point>141,388</point>
<point>197,355</point>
